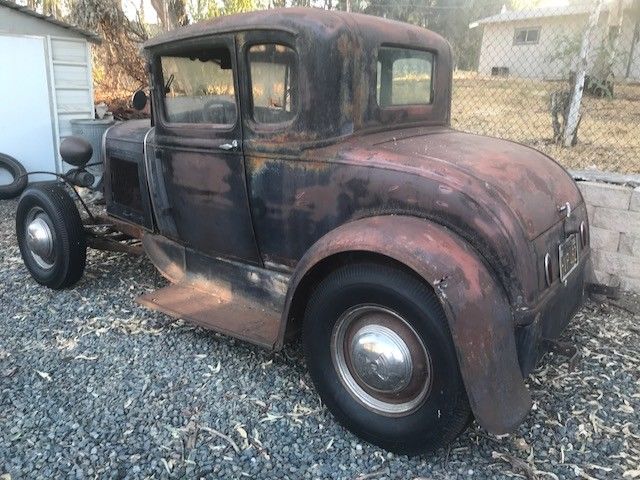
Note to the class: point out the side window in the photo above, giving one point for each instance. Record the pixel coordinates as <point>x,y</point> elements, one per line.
<point>526,36</point>
<point>404,77</point>
<point>273,71</point>
<point>198,87</point>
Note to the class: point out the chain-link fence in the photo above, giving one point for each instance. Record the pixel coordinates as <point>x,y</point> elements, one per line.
<point>529,65</point>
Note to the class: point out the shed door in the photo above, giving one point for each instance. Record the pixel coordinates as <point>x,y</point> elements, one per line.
<point>26,128</point>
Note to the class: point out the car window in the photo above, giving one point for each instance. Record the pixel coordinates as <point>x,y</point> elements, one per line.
<point>273,81</point>
<point>199,88</point>
<point>404,77</point>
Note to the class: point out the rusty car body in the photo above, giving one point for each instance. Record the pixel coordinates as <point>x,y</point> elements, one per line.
<point>246,215</point>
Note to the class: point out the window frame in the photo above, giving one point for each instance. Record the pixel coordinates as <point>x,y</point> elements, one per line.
<point>296,68</point>
<point>253,124</point>
<point>181,49</point>
<point>432,93</point>
<point>517,30</point>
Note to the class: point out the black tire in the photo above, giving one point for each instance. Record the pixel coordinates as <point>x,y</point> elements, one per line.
<point>19,174</point>
<point>443,414</point>
<point>64,265</point>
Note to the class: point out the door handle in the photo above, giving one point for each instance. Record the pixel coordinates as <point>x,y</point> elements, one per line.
<point>230,146</point>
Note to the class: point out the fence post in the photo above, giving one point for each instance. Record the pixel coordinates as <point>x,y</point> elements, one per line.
<point>573,115</point>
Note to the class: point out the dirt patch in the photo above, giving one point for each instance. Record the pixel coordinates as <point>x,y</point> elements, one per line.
<point>518,109</point>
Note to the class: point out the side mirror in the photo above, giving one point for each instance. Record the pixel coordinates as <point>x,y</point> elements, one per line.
<point>139,100</point>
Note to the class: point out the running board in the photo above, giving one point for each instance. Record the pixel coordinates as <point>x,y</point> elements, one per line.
<point>221,310</point>
<point>238,299</point>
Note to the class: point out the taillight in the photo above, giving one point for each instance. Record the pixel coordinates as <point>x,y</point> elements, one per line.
<point>583,234</point>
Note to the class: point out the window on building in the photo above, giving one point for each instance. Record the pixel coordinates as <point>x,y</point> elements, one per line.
<point>273,82</point>
<point>199,88</point>
<point>526,36</point>
<point>404,77</point>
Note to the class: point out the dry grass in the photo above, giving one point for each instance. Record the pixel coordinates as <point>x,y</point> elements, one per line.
<point>518,109</point>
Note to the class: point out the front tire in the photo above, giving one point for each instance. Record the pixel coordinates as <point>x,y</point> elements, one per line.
<point>379,351</point>
<point>51,236</point>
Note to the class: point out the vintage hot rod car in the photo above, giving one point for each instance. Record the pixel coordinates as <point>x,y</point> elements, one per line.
<point>299,174</point>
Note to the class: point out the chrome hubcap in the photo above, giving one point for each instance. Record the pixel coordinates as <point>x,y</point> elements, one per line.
<point>381,360</point>
<point>40,240</point>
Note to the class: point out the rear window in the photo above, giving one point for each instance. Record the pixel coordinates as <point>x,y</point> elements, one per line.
<point>404,77</point>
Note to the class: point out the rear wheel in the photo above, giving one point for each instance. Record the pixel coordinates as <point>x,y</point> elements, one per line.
<point>51,236</point>
<point>380,353</point>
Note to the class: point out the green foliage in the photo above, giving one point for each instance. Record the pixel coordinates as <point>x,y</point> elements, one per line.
<point>203,9</point>
<point>117,64</point>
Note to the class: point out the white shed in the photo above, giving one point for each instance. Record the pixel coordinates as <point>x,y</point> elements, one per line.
<point>45,82</point>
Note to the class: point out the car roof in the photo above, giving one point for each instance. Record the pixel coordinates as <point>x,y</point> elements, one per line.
<point>315,22</point>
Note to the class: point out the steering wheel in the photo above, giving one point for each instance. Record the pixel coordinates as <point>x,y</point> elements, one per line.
<point>215,111</point>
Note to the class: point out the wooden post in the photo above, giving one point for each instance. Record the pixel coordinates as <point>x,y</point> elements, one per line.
<point>573,117</point>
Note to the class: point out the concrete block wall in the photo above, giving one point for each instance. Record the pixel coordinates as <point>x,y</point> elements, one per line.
<point>614,218</point>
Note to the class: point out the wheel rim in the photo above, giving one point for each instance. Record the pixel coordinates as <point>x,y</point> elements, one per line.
<point>381,360</point>
<point>40,238</point>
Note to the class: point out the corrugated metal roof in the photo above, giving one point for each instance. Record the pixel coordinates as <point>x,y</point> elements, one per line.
<point>91,36</point>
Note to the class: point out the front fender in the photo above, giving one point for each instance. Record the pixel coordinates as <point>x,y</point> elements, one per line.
<point>477,309</point>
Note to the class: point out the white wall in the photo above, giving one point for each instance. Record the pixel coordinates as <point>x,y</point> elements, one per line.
<point>72,81</point>
<point>67,75</point>
<point>556,33</point>
<point>25,112</point>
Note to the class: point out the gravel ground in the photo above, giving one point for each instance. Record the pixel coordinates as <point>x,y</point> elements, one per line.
<point>94,386</point>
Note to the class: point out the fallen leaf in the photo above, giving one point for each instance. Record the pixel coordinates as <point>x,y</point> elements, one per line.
<point>44,375</point>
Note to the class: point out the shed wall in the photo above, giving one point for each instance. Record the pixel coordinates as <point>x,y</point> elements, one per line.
<point>69,75</point>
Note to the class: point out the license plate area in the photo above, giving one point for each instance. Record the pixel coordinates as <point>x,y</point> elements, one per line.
<point>568,256</point>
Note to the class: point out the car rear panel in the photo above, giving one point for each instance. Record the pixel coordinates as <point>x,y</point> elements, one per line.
<point>558,301</point>
<point>554,315</point>
<point>531,183</point>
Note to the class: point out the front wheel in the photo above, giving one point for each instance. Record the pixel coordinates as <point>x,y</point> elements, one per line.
<point>51,236</point>
<point>380,353</point>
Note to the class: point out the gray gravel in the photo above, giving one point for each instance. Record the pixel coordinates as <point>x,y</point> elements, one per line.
<point>94,386</point>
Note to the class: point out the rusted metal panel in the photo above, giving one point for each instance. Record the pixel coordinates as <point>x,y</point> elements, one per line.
<point>473,216</point>
<point>248,300</point>
<point>428,172</point>
<point>217,309</point>
<point>337,55</point>
<point>480,317</point>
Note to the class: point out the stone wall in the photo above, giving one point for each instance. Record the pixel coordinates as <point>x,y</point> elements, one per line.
<point>613,204</point>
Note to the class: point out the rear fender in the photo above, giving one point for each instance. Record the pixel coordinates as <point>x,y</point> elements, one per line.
<point>477,309</point>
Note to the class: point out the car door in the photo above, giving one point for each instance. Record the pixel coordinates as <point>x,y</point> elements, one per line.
<point>197,149</point>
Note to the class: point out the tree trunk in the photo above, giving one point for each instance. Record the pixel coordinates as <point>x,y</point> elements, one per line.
<point>634,40</point>
<point>573,115</point>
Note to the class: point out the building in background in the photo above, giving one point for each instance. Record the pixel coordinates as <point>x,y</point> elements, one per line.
<point>543,43</point>
<point>45,80</point>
